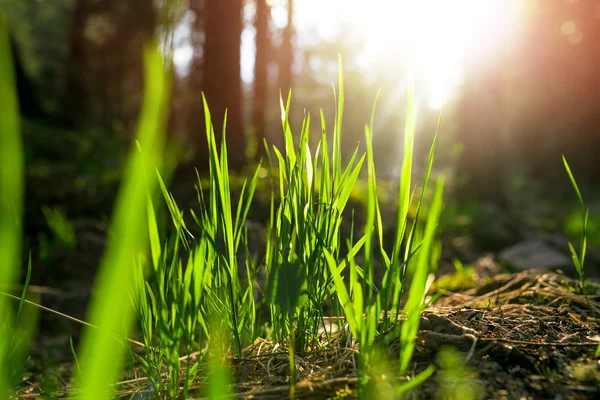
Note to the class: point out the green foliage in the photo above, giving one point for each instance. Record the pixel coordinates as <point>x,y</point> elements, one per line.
<point>462,279</point>
<point>579,258</point>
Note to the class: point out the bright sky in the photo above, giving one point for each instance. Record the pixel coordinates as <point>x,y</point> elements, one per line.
<point>434,37</point>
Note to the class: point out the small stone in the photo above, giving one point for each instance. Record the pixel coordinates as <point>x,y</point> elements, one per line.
<point>534,254</point>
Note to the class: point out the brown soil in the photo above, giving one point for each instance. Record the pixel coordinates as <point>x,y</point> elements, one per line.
<point>521,336</point>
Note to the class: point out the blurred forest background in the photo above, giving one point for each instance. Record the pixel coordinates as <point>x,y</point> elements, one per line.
<point>523,90</point>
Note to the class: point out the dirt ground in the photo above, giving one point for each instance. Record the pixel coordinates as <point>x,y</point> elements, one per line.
<point>520,336</point>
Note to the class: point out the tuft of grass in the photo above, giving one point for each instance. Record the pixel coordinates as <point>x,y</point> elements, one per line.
<point>362,302</point>
<point>303,260</point>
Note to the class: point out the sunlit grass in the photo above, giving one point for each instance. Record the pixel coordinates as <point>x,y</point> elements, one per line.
<point>303,259</point>
<point>191,292</point>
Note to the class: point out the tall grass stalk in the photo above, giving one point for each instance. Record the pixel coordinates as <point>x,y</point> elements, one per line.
<point>101,354</point>
<point>11,200</point>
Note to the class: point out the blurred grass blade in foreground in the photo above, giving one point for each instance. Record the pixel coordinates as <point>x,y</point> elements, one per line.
<point>101,355</point>
<point>11,199</point>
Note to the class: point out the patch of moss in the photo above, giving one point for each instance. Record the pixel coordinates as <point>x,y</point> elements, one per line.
<point>587,373</point>
<point>459,281</point>
<point>589,287</point>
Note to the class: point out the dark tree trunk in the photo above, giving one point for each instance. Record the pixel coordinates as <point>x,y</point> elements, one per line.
<point>221,80</point>
<point>263,54</point>
<point>105,78</point>
<point>286,53</point>
<point>194,113</point>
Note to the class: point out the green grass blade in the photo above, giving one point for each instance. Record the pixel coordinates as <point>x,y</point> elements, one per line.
<point>11,193</point>
<point>405,174</point>
<point>248,203</point>
<point>347,184</point>
<point>337,128</point>
<point>342,293</point>
<point>416,381</point>
<point>101,354</point>
<point>371,203</point>
<point>573,182</point>
<point>411,235</point>
<point>584,237</point>
<point>25,287</point>
<point>287,131</point>
<point>575,257</point>
<point>416,294</point>
<point>325,190</point>
<point>155,246</point>
<point>74,353</point>
<point>579,259</point>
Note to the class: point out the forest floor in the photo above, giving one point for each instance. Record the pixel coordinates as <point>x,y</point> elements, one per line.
<point>521,334</point>
<point>524,335</point>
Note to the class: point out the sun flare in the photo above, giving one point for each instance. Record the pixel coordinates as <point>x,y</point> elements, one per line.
<point>434,38</point>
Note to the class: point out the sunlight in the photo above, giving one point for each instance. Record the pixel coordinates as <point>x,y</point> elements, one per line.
<point>434,38</point>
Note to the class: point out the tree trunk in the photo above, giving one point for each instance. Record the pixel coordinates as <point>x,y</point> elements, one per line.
<point>263,55</point>
<point>221,79</point>
<point>286,53</point>
<point>105,79</point>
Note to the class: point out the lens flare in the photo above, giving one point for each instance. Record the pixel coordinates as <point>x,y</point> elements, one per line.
<point>435,38</point>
